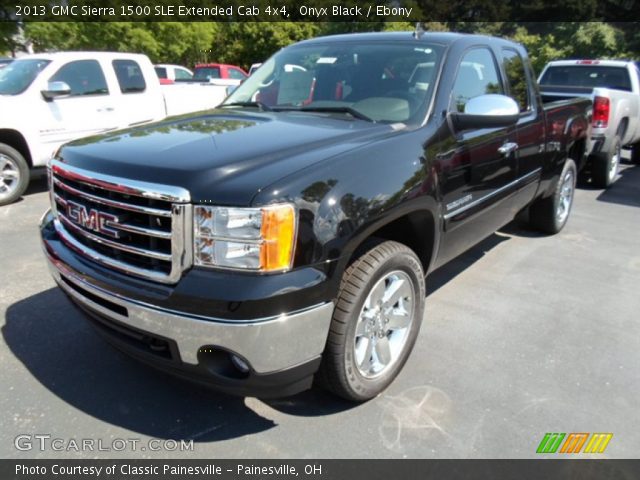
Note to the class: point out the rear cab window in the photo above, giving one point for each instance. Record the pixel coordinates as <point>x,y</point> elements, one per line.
<point>516,76</point>
<point>129,76</point>
<point>84,77</point>
<point>161,72</point>
<point>183,74</point>
<point>236,74</point>
<point>591,76</point>
<point>207,73</point>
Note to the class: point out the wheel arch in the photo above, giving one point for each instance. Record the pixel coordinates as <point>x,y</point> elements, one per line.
<point>577,151</point>
<point>622,128</point>
<point>15,139</point>
<point>416,228</point>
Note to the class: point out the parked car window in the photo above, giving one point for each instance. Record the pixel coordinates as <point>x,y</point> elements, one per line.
<point>161,72</point>
<point>129,76</point>
<point>183,74</point>
<point>84,77</point>
<point>477,75</point>
<point>517,79</point>
<point>588,76</point>
<point>16,77</point>
<point>205,74</point>
<point>236,74</point>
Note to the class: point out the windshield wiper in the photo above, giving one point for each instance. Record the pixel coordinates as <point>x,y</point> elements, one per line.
<point>351,111</point>
<point>258,105</point>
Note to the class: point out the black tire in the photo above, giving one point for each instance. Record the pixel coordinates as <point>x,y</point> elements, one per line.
<point>545,214</point>
<point>604,165</point>
<point>12,161</point>
<point>339,371</point>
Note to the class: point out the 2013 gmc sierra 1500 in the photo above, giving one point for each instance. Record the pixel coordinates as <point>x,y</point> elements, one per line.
<point>287,234</point>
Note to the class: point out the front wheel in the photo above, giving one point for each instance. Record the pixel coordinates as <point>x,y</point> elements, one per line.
<point>14,174</point>
<point>550,214</point>
<point>375,323</point>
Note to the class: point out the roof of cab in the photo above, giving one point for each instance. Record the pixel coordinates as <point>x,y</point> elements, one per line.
<point>83,55</point>
<point>589,63</point>
<point>443,38</point>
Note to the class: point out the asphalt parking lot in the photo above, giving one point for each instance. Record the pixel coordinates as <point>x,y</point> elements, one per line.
<point>524,334</point>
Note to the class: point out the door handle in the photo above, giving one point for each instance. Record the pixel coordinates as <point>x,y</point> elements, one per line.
<point>508,148</point>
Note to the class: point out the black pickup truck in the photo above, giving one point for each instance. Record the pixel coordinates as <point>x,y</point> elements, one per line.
<point>287,234</point>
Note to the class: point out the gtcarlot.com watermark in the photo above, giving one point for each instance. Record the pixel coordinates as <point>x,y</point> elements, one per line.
<point>45,442</point>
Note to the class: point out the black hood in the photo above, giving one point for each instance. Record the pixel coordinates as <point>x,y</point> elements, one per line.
<point>221,156</point>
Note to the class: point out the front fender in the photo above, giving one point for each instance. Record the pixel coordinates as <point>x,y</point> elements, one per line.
<point>344,200</point>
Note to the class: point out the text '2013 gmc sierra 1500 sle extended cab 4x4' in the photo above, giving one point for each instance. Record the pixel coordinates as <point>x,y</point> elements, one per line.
<point>287,234</point>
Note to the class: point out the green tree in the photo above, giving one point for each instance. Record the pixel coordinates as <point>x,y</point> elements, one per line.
<point>52,35</point>
<point>597,40</point>
<point>8,31</point>
<point>542,48</point>
<point>170,42</point>
<point>244,43</point>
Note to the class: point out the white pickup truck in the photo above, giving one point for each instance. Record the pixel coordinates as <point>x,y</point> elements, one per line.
<point>614,88</point>
<point>49,99</point>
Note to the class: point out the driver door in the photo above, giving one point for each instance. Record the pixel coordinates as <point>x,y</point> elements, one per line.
<point>86,111</point>
<point>484,162</point>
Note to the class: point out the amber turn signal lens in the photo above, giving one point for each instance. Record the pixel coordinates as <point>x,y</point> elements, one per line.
<point>278,235</point>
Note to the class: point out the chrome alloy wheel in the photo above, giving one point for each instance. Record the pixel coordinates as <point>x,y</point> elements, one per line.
<point>383,325</point>
<point>615,161</point>
<point>9,176</point>
<point>566,197</point>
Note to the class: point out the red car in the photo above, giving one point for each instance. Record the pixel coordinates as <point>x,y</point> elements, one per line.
<point>203,72</point>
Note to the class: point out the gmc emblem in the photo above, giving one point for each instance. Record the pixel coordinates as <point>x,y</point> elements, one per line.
<point>92,219</point>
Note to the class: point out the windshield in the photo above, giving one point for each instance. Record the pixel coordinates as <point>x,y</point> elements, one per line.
<point>384,82</point>
<point>16,77</point>
<point>616,78</point>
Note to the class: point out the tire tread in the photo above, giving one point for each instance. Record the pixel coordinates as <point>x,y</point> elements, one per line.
<point>331,374</point>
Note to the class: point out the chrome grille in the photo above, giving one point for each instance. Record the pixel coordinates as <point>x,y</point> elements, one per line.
<point>134,227</point>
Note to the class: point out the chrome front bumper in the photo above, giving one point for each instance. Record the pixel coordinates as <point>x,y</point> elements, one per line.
<point>268,344</point>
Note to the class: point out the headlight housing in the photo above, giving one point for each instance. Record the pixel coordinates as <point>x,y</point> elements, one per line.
<point>257,239</point>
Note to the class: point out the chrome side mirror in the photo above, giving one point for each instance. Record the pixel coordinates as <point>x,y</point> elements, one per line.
<point>55,90</point>
<point>486,111</point>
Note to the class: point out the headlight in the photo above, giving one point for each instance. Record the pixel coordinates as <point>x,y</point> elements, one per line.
<point>260,239</point>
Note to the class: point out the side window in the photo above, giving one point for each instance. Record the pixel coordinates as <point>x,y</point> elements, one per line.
<point>161,72</point>
<point>517,79</point>
<point>183,74</point>
<point>236,74</point>
<point>85,77</point>
<point>206,73</point>
<point>477,75</point>
<point>129,76</point>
